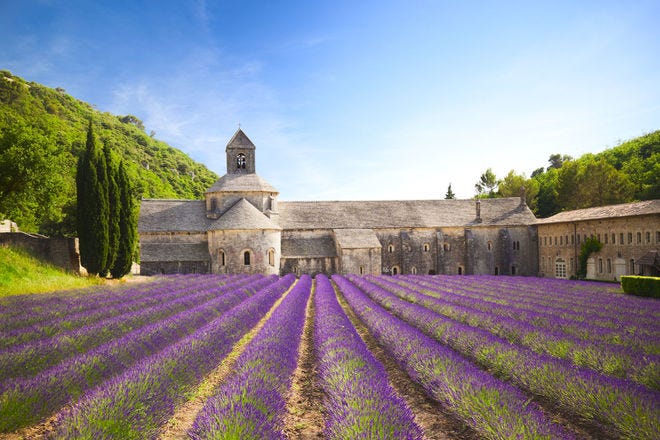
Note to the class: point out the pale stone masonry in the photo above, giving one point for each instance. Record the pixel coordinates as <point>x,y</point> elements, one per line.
<point>629,233</point>
<point>242,227</point>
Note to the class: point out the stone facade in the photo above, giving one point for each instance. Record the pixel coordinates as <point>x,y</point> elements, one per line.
<point>241,227</point>
<point>628,233</point>
<point>61,252</point>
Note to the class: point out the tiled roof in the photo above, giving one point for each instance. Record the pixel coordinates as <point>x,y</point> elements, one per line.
<point>240,140</point>
<point>308,247</point>
<point>402,214</point>
<point>173,216</point>
<point>612,211</point>
<point>190,215</point>
<point>240,183</point>
<point>174,252</point>
<point>243,215</point>
<point>356,238</point>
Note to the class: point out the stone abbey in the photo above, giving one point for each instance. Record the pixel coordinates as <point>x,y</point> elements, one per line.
<point>242,227</point>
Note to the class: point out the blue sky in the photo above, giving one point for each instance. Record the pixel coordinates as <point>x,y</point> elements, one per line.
<point>356,100</point>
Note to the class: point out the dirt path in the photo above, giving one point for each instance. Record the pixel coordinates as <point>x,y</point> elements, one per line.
<point>435,421</point>
<point>305,403</point>
<point>184,417</point>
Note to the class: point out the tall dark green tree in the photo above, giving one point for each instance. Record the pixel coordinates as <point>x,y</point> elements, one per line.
<point>114,203</point>
<point>127,225</point>
<point>92,204</point>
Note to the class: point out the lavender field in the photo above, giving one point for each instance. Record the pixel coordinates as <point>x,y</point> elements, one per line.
<point>346,357</point>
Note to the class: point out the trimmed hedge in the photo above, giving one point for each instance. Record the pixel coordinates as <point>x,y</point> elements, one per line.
<point>641,286</point>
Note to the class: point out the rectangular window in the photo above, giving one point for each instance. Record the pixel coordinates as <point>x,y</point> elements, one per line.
<point>578,238</point>
<point>657,236</point>
<point>545,241</point>
<point>613,238</point>
<point>600,265</point>
<point>572,239</point>
<point>599,238</point>
<point>572,264</point>
<point>605,238</point>
<point>609,266</point>
<point>621,238</point>
<point>561,241</point>
<point>555,240</point>
<point>639,238</point>
<point>648,237</point>
<point>629,237</point>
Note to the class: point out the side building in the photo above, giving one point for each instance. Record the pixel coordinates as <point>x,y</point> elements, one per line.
<point>241,227</point>
<point>629,233</point>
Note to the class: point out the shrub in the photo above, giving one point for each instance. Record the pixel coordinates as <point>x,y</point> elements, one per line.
<point>641,286</point>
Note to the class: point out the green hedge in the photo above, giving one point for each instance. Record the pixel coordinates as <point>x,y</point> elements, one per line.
<point>641,286</point>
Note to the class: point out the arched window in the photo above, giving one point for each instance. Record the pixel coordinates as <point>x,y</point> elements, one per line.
<point>413,270</point>
<point>514,269</point>
<point>460,270</point>
<point>395,270</point>
<point>221,258</point>
<point>490,245</point>
<point>246,258</point>
<point>240,161</point>
<point>446,247</point>
<point>361,270</point>
<point>390,248</point>
<point>427,247</point>
<point>497,270</point>
<point>271,257</point>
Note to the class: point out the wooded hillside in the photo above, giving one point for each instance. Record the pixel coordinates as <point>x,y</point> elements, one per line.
<point>42,134</point>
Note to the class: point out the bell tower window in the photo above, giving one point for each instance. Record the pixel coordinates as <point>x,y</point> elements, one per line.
<point>240,161</point>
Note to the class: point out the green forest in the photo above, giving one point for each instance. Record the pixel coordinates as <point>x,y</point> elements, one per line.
<point>43,133</point>
<point>625,173</point>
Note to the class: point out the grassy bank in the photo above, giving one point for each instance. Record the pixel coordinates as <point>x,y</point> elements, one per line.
<point>22,273</point>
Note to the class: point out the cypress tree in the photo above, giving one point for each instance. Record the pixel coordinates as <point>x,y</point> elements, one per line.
<point>127,226</point>
<point>92,197</point>
<point>113,208</point>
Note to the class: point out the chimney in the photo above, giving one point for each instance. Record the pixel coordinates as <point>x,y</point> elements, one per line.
<point>478,219</point>
<point>523,197</point>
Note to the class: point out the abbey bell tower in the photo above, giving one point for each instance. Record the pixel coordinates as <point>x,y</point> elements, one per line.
<point>240,154</point>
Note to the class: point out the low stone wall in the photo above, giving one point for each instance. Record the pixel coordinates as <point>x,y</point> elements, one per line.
<point>61,252</point>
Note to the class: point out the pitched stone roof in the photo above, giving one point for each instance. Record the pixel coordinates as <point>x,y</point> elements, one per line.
<point>164,215</point>
<point>243,215</point>
<point>356,238</point>
<point>402,214</point>
<point>646,207</point>
<point>174,252</point>
<point>651,258</point>
<point>308,247</point>
<point>240,140</point>
<point>241,183</point>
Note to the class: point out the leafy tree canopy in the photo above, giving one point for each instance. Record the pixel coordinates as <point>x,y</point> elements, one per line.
<point>43,132</point>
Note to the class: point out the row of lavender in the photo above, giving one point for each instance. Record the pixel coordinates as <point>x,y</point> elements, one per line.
<point>27,397</point>
<point>127,386</point>
<point>618,405</point>
<point>608,358</point>
<point>636,328</point>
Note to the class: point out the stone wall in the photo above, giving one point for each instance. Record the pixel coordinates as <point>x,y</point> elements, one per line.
<point>234,244</point>
<point>559,244</point>
<point>61,252</point>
